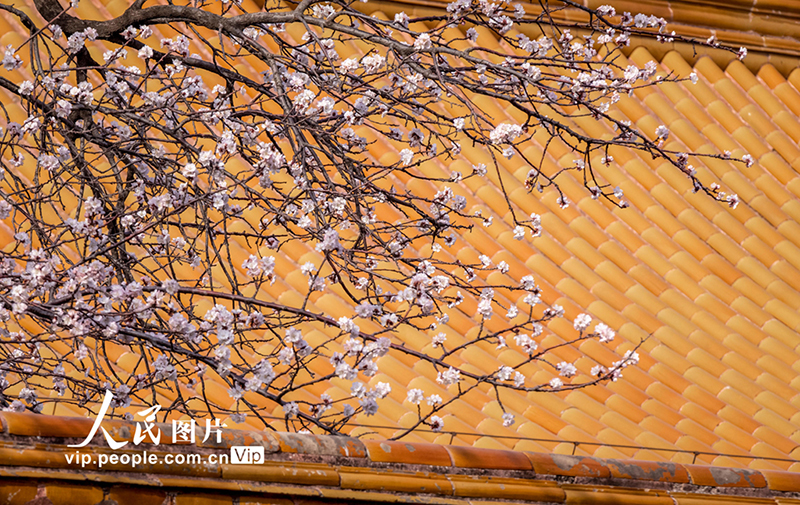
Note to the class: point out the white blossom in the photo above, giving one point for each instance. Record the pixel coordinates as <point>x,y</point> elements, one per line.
<point>26,88</point>
<point>485,308</point>
<point>293,335</point>
<point>326,105</point>
<point>504,373</point>
<point>434,400</point>
<point>566,369</point>
<point>554,311</point>
<point>63,108</point>
<point>401,18</point>
<point>31,126</point>
<point>47,162</point>
<point>348,326</point>
<point>330,241</point>
<point>528,283</point>
<point>582,322</point>
<point>345,372</point>
<point>448,377</point>
<point>505,133</point>
<point>189,171</point>
<point>373,62</point>
<point>416,137</point>
<point>349,65</point>
<point>146,52</point>
<point>114,54</point>
<point>631,357</point>
<point>406,156</point>
<point>291,409</point>
<point>10,60</point>
<point>532,299</point>
<point>606,10</point>
<point>27,394</point>
<point>382,389</point>
<point>368,405</point>
<point>415,396</point>
<point>259,266</point>
<point>526,343</point>
<point>286,355</point>
<point>423,42</point>
<point>604,333</point>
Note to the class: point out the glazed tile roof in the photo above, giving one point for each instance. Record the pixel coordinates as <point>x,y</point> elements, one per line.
<point>716,290</point>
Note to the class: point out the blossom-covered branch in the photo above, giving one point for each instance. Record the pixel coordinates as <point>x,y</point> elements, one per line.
<point>277,200</point>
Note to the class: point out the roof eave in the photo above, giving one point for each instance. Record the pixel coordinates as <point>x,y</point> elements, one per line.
<point>35,448</point>
<point>769,30</point>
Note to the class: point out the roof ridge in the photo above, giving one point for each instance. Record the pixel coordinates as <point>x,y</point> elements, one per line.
<point>771,33</point>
